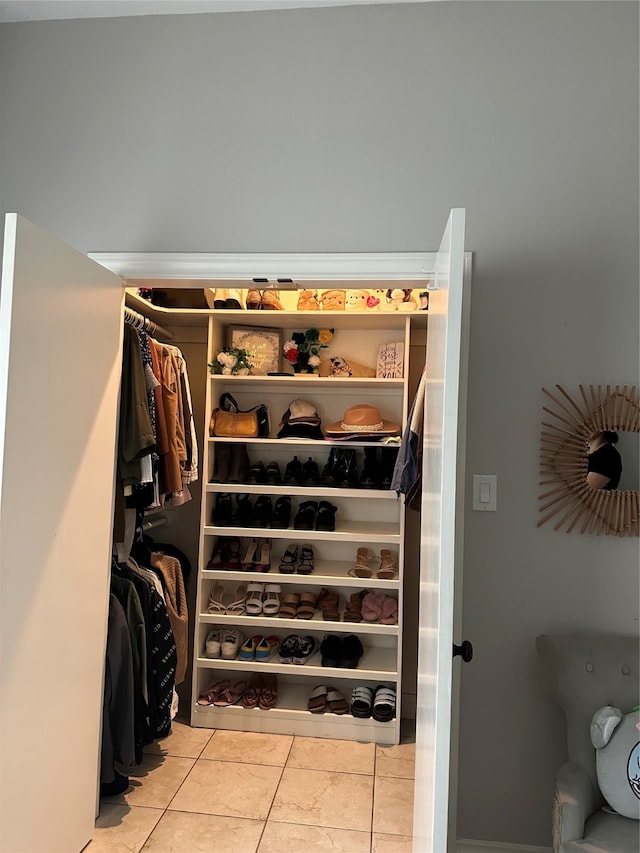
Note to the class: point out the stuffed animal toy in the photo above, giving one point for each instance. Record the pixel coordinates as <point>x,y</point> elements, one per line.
<point>616,737</point>
<point>402,300</point>
<point>378,300</point>
<point>333,300</point>
<point>356,300</point>
<point>308,300</point>
<point>339,367</point>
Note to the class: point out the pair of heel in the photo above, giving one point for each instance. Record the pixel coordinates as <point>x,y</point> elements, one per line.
<point>364,557</point>
<point>302,562</point>
<point>257,557</point>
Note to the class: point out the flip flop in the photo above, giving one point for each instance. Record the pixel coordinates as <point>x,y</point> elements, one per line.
<point>336,702</point>
<point>317,703</point>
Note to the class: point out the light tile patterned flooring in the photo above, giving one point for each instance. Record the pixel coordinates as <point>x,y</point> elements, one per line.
<point>244,792</point>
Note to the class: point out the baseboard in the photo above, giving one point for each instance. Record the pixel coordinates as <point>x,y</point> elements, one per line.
<point>467,845</point>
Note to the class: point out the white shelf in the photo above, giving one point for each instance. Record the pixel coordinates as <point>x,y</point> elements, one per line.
<point>360,531</point>
<point>374,665</point>
<point>324,443</point>
<point>302,491</point>
<point>310,382</point>
<point>326,573</point>
<point>269,624</point>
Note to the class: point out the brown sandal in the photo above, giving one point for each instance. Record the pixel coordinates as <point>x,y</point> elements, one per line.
<point>388,565</point>
<point>269,693</point>
<point>353,612</point>
<point>289,605</point>
<point>307,605</point>
<point>328,602</point>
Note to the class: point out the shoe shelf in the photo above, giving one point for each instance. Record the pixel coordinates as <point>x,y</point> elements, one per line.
<point>360,531</point>
<point>269,624</point>
<point>327,573</point>
<point>291,717</point>
<point>305,492</point>
<point>376,664</point>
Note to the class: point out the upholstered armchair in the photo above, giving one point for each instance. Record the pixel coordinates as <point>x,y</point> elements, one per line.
<point>584,672</point>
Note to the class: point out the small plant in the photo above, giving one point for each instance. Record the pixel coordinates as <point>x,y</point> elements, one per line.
<point>303,350</point>
<point>232,361</point>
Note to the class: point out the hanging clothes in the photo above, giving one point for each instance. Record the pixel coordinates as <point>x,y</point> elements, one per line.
<point>407,472</point>
<point>176,602</point>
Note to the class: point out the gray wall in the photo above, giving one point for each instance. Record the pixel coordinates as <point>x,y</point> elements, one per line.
<point>357,129</point>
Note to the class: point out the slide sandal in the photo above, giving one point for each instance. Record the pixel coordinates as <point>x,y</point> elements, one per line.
<point>336,702</point>
<point>361,702</point>
<point>384,704</point>
<point>271,603</point>
<point>317,703</point>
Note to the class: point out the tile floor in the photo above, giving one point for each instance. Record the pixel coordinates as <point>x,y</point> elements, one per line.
<point>244,792</point>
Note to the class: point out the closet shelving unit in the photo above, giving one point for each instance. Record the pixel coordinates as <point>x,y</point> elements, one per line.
<point>370,518</point>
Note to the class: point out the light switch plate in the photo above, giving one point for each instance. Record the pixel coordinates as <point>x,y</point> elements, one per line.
<point>485,492</point>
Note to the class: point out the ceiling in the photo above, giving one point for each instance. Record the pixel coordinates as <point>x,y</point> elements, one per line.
<point>48,10</point>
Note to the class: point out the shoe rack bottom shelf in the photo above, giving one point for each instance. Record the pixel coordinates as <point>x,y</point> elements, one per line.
<point>301,723</point>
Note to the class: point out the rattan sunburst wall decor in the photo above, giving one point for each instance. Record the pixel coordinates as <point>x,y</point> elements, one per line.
<point>566,496</point>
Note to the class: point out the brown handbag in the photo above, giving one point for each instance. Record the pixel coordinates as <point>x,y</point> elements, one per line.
<point>227,421</point>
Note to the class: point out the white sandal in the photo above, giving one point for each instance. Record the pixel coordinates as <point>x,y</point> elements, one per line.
<point>216,604</point>
<point>253,604</point>
<point>271,602</point>
<point>238,606</point>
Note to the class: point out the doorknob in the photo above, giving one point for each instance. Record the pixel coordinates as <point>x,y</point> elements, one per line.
<point>465,650</point>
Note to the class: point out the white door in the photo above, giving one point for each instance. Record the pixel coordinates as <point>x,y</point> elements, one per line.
<point>60,361</point>
<point>441,541</point>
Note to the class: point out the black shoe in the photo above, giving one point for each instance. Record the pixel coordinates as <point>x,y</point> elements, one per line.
<point>306,515</point>
<point>351,652</point>
<point>239,463</point>
<point>345,470</point>
<point>256,474</point>
<point>306,565</point>
<point>222,463</point>
<point>293,473</point>
<point>222,511</point>
<point>310,473</point>
<point>330,650</point>
<point>244,513</point>
<point>371,475</point>
<point>262,512</point>
<point>328,476</point>
<point>326,517</point>
<point>389,456</point>
<point>282,513</point>
<point>272,474</point>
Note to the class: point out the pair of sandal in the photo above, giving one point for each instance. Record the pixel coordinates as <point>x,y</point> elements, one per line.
<point>262,692</point>
<point>298,605</point>
<point>379,703</point>
<point>302,562</point>
<point>386,570</point>
<point>257,557</point>
<point>222,693</point>
<point>328,602</point>
<point>296,649</point>
<point>324,698</point>
<point>344,652</point>
<point>236,607</point>
<point>263,599</point>
<point>380,608</point>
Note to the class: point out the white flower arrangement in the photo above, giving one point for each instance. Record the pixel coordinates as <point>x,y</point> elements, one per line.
<point>231,361</point>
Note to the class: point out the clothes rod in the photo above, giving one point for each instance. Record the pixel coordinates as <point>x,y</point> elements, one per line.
<point>138,321</point>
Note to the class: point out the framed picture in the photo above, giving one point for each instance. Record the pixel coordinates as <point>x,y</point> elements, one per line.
<point>264,345</point>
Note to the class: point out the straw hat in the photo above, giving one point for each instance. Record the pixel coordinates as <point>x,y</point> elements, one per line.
<point>362,420</point>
